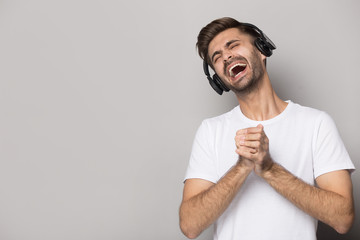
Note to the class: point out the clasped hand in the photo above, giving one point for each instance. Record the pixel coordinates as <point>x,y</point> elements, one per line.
<point>252,145</point>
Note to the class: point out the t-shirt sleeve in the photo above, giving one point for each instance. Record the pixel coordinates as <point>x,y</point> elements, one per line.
<point>202,158</point>
<point>330,153</point>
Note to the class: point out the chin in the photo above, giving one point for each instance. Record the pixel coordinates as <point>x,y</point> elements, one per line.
<point>247,87</point>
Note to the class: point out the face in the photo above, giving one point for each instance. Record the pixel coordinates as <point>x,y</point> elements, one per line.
<point>236,60</point>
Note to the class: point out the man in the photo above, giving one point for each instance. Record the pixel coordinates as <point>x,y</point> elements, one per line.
<point>268,169</point>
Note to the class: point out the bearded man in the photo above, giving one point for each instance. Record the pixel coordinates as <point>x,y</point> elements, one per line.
<point>268,169</point>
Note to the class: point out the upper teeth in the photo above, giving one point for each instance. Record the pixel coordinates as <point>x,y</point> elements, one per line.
<point>236,65</point>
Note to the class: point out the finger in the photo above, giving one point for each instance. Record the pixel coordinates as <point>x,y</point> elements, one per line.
<point>241,131</point>
<point>245,152</point>
<point>238,141</point>
<point>257,129</point>
<point>250,144</point>
<point>251,137</point>
<point>244,131</point>
<point>246,149</point>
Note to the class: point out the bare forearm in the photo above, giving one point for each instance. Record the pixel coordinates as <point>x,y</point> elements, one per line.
<point>326,206</point>
<point>200,211</point>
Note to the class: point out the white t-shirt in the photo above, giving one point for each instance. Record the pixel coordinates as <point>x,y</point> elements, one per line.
<point>303,140</point>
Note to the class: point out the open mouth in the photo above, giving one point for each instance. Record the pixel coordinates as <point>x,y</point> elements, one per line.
<point>237,69</point>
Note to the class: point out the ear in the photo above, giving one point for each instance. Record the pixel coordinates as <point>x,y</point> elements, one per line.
<point>263,57</point>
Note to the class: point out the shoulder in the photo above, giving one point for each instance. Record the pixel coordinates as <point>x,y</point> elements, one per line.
<point>310,115</point>
<point>214,127</point>
<point>306,111</point>
<point>319,122</point>
<point>220,120</point>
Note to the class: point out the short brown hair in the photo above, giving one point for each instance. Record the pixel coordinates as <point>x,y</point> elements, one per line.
<point>217,26</point>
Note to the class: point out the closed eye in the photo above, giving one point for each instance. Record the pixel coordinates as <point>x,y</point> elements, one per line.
<point>234,45</point>
<point>229,45</point>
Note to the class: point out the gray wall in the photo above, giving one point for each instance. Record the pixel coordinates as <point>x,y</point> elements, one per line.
<point>100,101</point>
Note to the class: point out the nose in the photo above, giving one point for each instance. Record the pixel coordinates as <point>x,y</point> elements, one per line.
<point>227,55</point>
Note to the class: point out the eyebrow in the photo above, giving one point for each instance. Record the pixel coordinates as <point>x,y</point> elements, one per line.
<point>226,46</point>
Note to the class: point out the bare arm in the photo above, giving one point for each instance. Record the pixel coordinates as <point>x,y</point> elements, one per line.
<point>331,202</point>
<point>203,202</point>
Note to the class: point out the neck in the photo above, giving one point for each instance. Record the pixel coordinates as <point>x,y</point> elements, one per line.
<point>261,103</point>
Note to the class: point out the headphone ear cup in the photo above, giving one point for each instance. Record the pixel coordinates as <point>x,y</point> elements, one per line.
<point>215,86</point>
<point>220,83</point>
<point>214,82</point>
<point>263,47</point>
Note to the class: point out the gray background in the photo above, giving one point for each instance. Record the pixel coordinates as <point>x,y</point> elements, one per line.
<point>100,101</point>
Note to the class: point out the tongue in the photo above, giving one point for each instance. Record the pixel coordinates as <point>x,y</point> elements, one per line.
<point>236,70</point>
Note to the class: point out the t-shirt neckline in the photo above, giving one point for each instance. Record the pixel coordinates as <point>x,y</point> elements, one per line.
<point>265,122</point>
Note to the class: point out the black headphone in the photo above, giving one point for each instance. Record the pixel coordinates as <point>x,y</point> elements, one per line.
<point>263,43</point>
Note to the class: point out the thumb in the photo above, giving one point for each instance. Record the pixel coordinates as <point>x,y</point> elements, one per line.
<point>260,126</point>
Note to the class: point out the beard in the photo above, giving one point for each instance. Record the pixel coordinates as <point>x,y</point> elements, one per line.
<point>250,81</point>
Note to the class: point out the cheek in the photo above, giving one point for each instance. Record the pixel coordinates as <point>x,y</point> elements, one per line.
<point>219,70</point>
